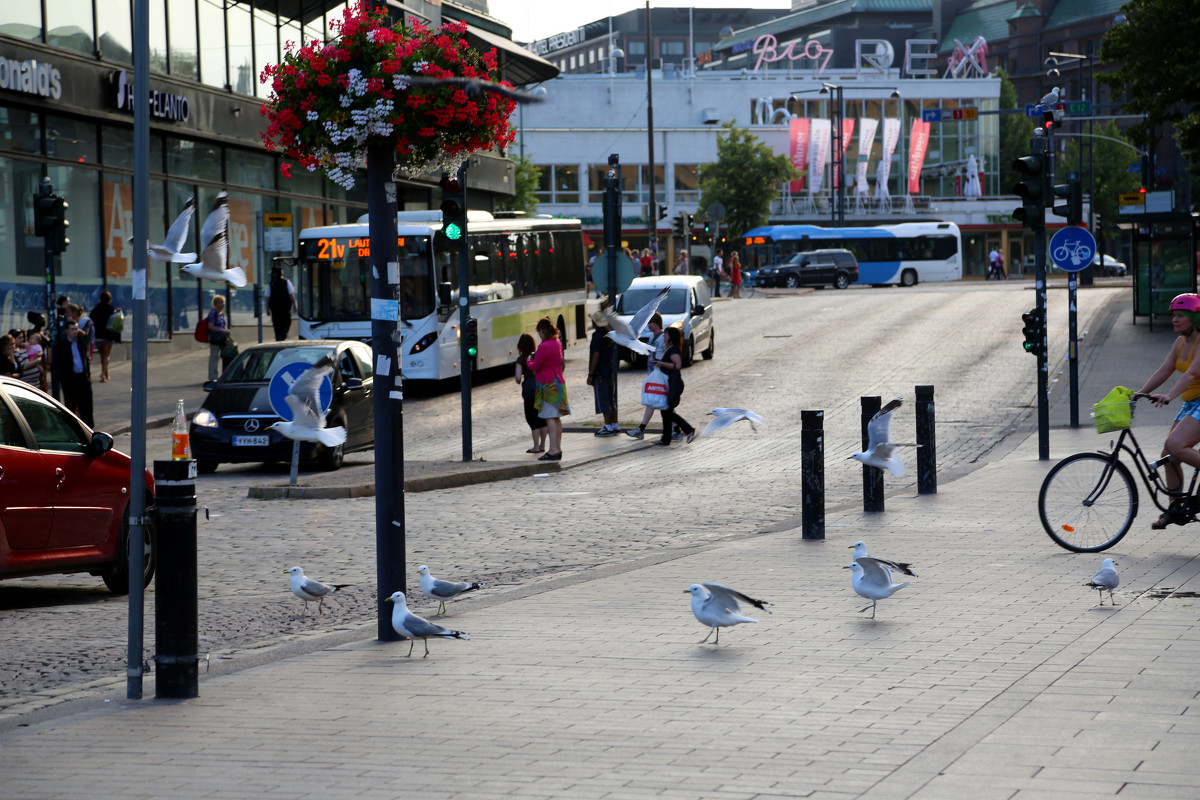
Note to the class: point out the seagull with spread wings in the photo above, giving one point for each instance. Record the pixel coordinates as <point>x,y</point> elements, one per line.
<point>727,416</point>
<point>881,451</point>
<point>716,606</point>
<point>869,563</point>
<point>626,333</point>
<point>308,418</point>
<point>214,239</point>
<point>176,238</point>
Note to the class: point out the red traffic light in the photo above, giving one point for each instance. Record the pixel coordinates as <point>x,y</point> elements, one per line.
<point>451,185</point>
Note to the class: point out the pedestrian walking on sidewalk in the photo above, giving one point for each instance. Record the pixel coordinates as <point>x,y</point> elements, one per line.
<point>672,364</point>
<point>105,337</point>
<point>551,397</point>
<point>218,337</point>
<point>528,383</point>
<point>659,343</point>
<point>600,375</point>
<point>281,302</point>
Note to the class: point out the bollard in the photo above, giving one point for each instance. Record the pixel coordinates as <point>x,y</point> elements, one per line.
<point>175,586</point>
<point>926,442</point>
<point>872,476</point>
<point>812,475</point>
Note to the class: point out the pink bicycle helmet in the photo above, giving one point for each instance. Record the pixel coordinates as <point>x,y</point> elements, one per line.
<point>1186,302</point>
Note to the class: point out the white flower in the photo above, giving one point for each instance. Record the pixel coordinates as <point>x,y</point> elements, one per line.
<point>312,116</point>
<point>420,66</point>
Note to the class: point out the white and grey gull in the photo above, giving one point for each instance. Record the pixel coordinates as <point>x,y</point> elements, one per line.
<point>442,591</point>
<point>717,607</point>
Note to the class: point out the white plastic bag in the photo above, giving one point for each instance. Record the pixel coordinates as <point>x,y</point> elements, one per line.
<point>654,389</point>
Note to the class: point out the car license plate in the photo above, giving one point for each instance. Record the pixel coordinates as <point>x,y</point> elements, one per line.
<point>251,441</point>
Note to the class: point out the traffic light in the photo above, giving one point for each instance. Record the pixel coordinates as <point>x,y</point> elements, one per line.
<point>1035,331</point>
<point>1031,190</point>
<point>454,211</point>
<point>50,221</point>
<point>662,212</point>
<point>58,236</point>
<point>1072,192</point>
<point>43,214</point>
<point>471,337</point>
<point>677,226</point>
<point>688,219</point>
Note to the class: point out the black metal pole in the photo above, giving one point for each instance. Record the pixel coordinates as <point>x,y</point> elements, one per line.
<point>612,241</point>
<point>926,442</point>
<point>53,329</point>
<point>872,476</point>
<point>464,313</point>
<point>1043,145</point>
<point>652,203</point>
<point>176,618</point>
<point>1073,344</point>
<point>389,382</point>
<point>812,474</point>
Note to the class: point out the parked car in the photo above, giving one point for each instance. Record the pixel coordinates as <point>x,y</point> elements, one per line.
<point>64,493</point>
<point>836,268</point>
<point>1110,267</point>
<point>688,307</point>
<point>234,423</point>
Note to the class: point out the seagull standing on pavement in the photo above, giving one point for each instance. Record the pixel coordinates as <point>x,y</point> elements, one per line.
<point>868,563</point>
<point>716,606</point>
<point>311,591</point>
<point>881,452</point>
<point>410,626</point>
<point>874,585</point>
<point>170,249</point>
<point>308,418</point>
<point>627,333</point>
<point>442,591</point>
<point>727,416</point>
<point>214,241</point>
<point>1106,579</point>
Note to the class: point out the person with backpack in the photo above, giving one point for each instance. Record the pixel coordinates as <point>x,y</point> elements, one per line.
<point>281,302</point>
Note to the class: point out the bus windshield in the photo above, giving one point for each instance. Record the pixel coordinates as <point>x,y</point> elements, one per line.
<point>335,279</point>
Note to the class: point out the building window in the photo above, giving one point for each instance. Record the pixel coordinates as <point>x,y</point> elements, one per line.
<point>23,20</point>
<point>69,24</point>
<point>185,61</point>
<point>637,47</point>
<point>672,48</point>
<point>158,37</point>
<point>600,53</point>
<point>591,56</point>
<point>558,183</point>
<point>266,48</point>
<point>687,183</point>
<point>572,62</point>
<point>116,30</point>
<point>212,44</point>
<point>241,50</point>
<point>72,140</point>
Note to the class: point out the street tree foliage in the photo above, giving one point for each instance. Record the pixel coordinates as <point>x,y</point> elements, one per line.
<point>1015,132</point>
<point>527,177</point>
<point>1112,163</point>
<point>1157,70</point>
<point>745,179</point>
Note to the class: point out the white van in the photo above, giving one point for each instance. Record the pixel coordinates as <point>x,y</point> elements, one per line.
<point>687,307</point>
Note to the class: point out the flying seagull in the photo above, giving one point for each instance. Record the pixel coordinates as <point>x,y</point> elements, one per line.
<point>311,591</point>
<point>874,585</point>
<point>308,419</point>
<point>214,241</point>
<point>727,416</point>
<point>1051,97</point>
<point>170,249</point>
<point>868,563</point>
<point>716,606</point>
<point>473,86</point>
<point>1106,579</point>
<point>410,626</point>
<point>627,333</point>
<point>442,591</point>
<point>881,452</point>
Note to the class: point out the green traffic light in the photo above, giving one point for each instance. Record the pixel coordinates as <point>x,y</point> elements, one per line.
<point>472,351</point>
<point>452,231</point>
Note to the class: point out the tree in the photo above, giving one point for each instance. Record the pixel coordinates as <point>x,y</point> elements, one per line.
<point>526,178</point>
<point>745,178</point>
<point>1111,161</point>
<point>1015,132</point>
<point>1157,76</point>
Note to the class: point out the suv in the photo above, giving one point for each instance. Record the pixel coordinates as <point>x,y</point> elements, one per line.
<point>836,268</point>
<point>687,307</point>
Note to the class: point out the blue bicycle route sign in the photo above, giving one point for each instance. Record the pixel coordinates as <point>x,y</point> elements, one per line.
<point>282,382</point>
<point>1072,248</point>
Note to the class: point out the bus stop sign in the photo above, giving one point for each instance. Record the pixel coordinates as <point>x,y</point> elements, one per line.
<point>1072,248</point>
<point>282,382</point>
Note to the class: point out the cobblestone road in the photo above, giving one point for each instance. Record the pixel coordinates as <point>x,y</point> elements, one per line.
<point>776,355</point>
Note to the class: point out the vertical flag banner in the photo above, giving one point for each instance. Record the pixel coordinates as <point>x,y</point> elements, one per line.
<point>891,136</point>
<point>918,144</point>
<point>847,135</point>
<point>866,140</point>
<point>818,153</point>
<point>798,151</point>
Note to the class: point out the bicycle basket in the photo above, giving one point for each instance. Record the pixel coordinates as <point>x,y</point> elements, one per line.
<point>1115,410</point>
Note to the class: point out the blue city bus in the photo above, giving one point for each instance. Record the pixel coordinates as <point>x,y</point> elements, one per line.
<point>905,254</point>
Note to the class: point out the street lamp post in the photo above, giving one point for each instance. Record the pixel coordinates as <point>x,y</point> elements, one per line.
<point>837,175</point>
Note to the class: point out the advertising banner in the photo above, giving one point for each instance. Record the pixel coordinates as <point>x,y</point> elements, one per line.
<point>798,151</point>
<point>818,153</point>
<point>918,144</point>
<point>118,229</point>
<point>866,141</point>
<point>891,136</point>
<point>242,246</point>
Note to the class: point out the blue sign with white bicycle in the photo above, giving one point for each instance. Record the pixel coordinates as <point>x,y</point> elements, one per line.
<point>1072,248</point>
<point>282,381</point>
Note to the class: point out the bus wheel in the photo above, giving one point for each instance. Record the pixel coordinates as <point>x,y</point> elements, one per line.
<point>908,277</point>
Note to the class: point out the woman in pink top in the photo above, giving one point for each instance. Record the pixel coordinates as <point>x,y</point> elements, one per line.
<point>551,397</point>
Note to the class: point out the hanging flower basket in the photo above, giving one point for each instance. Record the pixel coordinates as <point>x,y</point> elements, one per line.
<point>329,99</point>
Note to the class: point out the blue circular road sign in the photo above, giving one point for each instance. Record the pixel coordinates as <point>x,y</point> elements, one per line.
<point>282,382</point>
<point>1072,248</point>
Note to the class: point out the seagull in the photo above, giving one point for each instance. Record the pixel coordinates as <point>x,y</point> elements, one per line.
<point>1106,579</point>
<point>727,416</point>
<point>868,563</point>
<point>1051,97</point>
<point>308,420</point>
<point>473,86</point>
<point>311,591</point>
<point>718,606</point>
<point>169,250</point>
<point>435,589</point>
<point>410,626</point>
<point>874,585</point>
<point>214,240</point>
<point>881,452</point>
<point>627,333</point>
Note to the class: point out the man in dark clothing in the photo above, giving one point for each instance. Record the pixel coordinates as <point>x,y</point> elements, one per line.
<point>73,370</point>
<point>281,302</point>
<point>600,375</point>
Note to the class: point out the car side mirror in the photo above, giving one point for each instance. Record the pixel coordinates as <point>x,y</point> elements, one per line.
<point>101,443</point>
<point>352,383</point>
<point>698,309</point>
<point>208,385</point>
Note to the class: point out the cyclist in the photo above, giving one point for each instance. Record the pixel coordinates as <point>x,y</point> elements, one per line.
<point>1185,431</point>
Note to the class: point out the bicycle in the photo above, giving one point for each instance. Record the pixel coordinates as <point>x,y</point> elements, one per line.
<point>1088,500</point>
<point>749,282</point>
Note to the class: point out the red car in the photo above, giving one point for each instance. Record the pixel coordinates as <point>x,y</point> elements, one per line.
<point>64,493</point>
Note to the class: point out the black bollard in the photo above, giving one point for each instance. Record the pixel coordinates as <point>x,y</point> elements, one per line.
<point>872,476</point>
<point>926,442</point>
<point>812,474</point>
<point>175,586</point>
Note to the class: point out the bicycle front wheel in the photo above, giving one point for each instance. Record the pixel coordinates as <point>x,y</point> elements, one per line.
<point>1087,502</point>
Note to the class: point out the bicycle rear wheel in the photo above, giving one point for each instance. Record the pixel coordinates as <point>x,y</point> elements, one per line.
<point>1088,502</point>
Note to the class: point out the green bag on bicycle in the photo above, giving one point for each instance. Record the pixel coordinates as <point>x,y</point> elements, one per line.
<point>1115,411</point>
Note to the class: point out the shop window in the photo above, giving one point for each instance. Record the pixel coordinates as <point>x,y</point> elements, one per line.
<point>192,159</point>
<point>72,140</point>
<point>22,130</point>
<point>245,168</point>
<point>81,187</point>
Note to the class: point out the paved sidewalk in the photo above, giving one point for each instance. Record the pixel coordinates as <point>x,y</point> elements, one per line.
<point>995,675</point>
